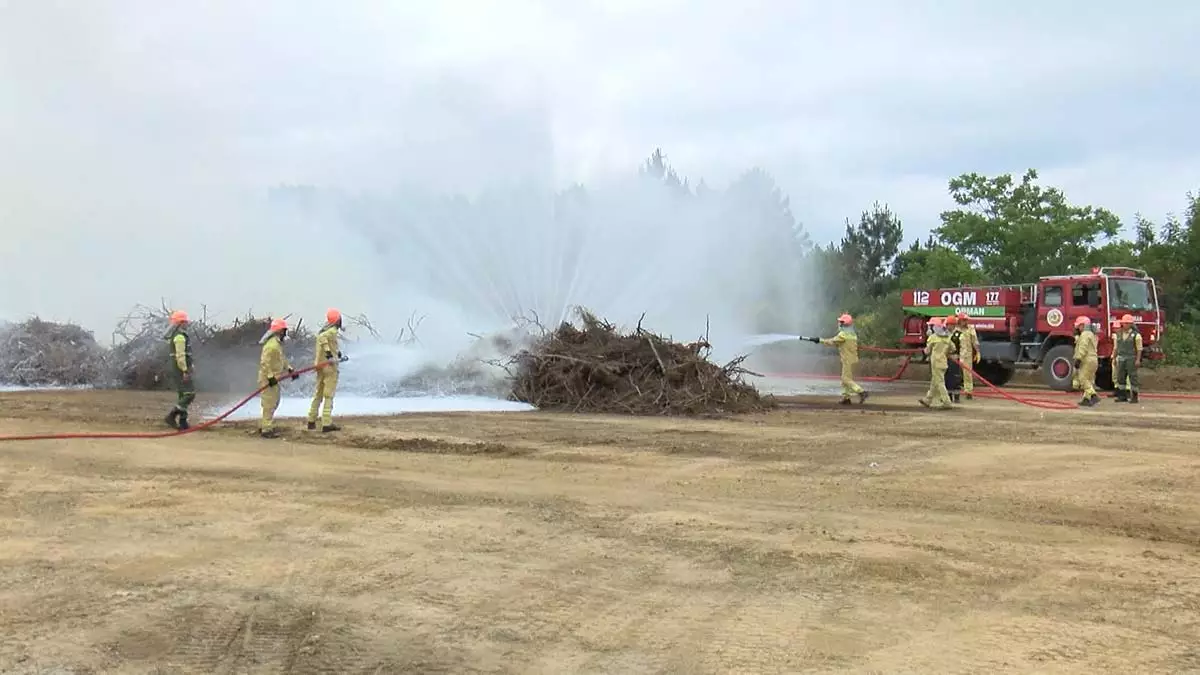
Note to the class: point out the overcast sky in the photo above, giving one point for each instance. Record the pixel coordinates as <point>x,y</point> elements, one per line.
<point>844,103</point>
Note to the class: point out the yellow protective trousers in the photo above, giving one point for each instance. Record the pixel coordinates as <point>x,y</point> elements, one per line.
<point>270,403</point>
<point>937,394</point>
<point>327,379</point>
<point>1087,376</point>
<point>849,386</point>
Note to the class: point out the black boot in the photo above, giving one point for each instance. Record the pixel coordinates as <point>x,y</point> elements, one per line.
<point>862,397</point>
<point>970,397</point>
<point>312,426</point>
<point>171,418</point>
<point>330,427</point>
<point>845,400</point>
<point>269,433</point>
<point>1095,399</point>
<point>183,422</point>
<point>1120,396</point>
<point>956,398</point>
<point>1133,397</point>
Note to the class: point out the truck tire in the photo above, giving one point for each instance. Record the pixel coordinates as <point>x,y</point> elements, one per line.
<point>998,374</point>
<point>1104,376</point>
<point>1058,367</point>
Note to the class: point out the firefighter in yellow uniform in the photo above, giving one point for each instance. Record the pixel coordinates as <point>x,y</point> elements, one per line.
<point>327,359</point>
<point>937,345</point>
<point>846,342</point>
<point>1113,329</point>
<point>968,353</point>
<point>1127,358</point>
<point>1086,361</point>
<point>271,365</point>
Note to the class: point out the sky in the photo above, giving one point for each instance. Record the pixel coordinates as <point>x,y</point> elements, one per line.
<point>126,127</point>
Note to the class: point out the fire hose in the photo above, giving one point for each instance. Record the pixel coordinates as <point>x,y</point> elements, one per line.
<point>162,434</point>
<point>993,390</point>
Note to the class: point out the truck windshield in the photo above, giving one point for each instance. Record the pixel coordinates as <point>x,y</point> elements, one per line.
<point>1131,294</point>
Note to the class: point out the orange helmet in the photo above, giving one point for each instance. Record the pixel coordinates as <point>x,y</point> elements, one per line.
<point>962,316</point>
<point>333,316</point>
<point>178,317</point>
<point>938,321</point>
<point>277,325</point>
<point>846,320</point>
<point>1128,318</point>
<point>1083,321</point>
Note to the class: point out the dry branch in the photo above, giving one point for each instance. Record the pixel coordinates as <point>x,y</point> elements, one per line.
<point>596,368</point>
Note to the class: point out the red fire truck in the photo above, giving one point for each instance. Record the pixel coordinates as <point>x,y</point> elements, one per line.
<point>1032,325</point>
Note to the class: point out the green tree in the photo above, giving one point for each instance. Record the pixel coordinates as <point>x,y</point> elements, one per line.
<point>870,247</point>
<point>1018,231</point>
<point>933,266</point>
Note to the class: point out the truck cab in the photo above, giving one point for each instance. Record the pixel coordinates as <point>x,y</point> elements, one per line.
<point>1032,325</point>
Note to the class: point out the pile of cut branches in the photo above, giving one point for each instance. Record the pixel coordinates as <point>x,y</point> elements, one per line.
<point>40,353</point>
<point>594,367</point>
<point>226,356</point>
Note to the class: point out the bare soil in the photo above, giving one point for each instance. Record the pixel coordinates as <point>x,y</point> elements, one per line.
<point>992,538</point>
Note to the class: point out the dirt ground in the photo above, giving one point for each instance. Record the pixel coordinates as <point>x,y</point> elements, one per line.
<point>993,538</point>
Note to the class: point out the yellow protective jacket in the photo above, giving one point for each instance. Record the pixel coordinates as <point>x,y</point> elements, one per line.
<point>1085,345</point>
<point>273,362</point>
<point>937,346</point>
<point>968,343</point>
<point>847,343</point>
<point>327,347</point>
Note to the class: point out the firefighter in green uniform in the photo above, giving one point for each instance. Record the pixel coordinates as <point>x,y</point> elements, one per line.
<point>181,370</point>
<point>937,345</point>
<point>1127,357</point>
<point>1086,361</point>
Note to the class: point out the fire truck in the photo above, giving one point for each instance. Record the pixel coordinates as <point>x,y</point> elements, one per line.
<point>1032,325</point>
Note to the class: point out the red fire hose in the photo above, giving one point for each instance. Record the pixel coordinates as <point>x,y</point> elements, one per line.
<point>158,434</point>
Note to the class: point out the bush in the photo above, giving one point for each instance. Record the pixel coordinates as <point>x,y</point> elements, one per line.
<point>1181,342</point>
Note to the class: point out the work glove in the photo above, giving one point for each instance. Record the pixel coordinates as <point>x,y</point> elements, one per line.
<point>293,373</point>
<point>1077,364</point>
<point>328,356</point>
<point>272,382</point>
<point>977,357</point>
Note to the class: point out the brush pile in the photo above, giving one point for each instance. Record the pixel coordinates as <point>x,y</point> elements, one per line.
<point>38,353</point>
<point>226,356</point>
<point>596,368</point>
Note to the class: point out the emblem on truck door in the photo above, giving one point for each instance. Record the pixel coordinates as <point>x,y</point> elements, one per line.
<point>1054,317</point>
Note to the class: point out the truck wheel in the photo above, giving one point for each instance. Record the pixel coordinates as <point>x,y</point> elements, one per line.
<point>1058,367</point>
<point>996,373</point>
<point>1104,376</point>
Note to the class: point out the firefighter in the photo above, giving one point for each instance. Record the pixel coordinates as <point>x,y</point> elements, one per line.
<point>327,374</point>
<point>181,369</point>
<point>1127,357</point>
<point>846,342</point>
<point>1113,329</point>
<point>936,346</point>
<point>954,371</point>
<point>968,353</point>
<point>271,365</point>
<point>1086,361</point>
